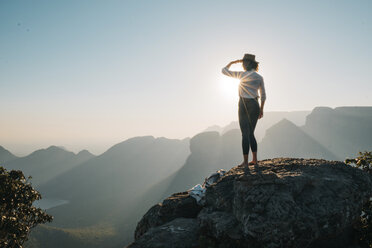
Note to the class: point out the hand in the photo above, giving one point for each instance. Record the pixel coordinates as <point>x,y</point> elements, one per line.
<point>261,114</point>
<point>235,61</point>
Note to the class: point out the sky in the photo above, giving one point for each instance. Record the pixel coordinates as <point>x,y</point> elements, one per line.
<point>89,74</point>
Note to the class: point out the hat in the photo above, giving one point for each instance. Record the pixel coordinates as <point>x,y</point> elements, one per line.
<point>250,57</point>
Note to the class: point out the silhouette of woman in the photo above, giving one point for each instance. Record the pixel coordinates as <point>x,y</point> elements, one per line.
<point>249,109</point>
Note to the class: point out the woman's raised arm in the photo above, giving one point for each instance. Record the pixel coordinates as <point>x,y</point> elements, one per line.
<point>234,74</point>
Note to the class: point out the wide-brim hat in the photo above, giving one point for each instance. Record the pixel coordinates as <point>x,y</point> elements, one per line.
<point>250,57</point>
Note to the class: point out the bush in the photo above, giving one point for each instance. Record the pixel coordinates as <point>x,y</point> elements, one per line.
<point>364,226</point>
<point>17,214</point>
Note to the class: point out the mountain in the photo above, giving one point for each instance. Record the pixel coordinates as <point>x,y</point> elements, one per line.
<point>344,130</point>
<point>131,165</point>
<point>103,191</point>
<point>214,128</point>
<point>45,164</point>
<point>285,139</point>
<point>6,156</point>
<point>86,154</point>
<point>210,152</point>
<point>270,118</point>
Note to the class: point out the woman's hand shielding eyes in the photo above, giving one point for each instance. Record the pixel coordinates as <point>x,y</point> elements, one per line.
<point>235,61</point>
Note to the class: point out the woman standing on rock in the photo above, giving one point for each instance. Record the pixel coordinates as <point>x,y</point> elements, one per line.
<point>249,109</point>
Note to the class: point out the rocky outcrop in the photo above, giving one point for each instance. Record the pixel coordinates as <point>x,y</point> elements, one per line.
<point>180,233</point>
<point>283,202</point>
<point>179,205</point>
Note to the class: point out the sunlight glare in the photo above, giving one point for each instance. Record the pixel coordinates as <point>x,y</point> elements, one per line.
<point>229,87</point>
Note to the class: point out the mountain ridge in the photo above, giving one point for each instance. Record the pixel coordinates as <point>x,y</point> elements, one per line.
<point>6,156</point>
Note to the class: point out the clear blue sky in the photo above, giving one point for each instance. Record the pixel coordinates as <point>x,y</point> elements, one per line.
<point>88,74</point>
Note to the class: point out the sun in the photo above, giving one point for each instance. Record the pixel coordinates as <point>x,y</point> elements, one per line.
<point>229,86</point>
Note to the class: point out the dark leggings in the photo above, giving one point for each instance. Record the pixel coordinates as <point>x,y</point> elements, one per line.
<point>248,116</point>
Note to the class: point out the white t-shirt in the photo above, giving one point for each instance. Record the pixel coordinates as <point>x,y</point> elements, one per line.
<point>250,83</point>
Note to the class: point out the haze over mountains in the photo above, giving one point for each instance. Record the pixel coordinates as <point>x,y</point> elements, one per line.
<point>343,130</point>
<point>111,181</point>
<point>45,164</point>
<point>285,139</point>
<point>108,194</point>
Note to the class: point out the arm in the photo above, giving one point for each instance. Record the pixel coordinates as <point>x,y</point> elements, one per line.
<point>234,74</point>
<point>263,99</point>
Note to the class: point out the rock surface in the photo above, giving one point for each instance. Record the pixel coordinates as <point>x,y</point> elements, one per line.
<point>176,206</point>
<point>283,202</point>
<point>178,233</point>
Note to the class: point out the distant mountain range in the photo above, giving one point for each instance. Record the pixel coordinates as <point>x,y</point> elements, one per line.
<point>270,118</point>
<point>6,156</point>
<point>344,130</point>
<point>285,139</point>
<point>103,190</point>
<point>107,194</point>
<point>45,164</point>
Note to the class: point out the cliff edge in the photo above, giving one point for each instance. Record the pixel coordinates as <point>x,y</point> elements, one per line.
<point>284,202</point>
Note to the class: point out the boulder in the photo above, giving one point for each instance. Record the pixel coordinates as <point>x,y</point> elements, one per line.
<point>282,202</point>
<point>178,205</point>
<point>178,233</point>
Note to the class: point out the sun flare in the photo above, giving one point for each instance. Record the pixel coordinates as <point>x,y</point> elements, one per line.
<point>229,86</point>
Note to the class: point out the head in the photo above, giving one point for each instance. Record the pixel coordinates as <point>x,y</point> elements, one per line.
<point>249,62</point>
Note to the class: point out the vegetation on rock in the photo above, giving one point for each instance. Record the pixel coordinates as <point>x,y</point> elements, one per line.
<point>364,226</point>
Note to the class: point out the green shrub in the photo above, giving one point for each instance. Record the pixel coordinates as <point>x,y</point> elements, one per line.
<point>17,214</point>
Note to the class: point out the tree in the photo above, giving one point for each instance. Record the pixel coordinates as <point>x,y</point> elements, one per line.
<point>17,214</point>
<point>364,226</point>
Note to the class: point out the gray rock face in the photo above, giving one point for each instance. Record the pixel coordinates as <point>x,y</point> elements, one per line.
<point>176,206</point>
<point>282,203</point>
<point>178,233</point>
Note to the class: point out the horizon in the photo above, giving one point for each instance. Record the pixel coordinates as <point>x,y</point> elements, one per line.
<point>88,75</point>
<point>104,148</point>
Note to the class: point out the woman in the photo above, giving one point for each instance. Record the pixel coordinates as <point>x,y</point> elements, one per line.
<point>249,109</point>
